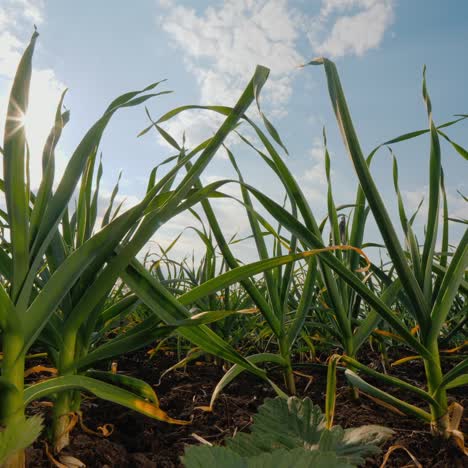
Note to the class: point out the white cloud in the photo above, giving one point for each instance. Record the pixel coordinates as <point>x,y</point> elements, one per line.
<point>413,198</point>
<point>314,178</point>
<point>457,207</point>
<point>360,29</point>
<point>10,47</point>
<point>166,3</point>
<point>222,46</point>
<point>32,10</point>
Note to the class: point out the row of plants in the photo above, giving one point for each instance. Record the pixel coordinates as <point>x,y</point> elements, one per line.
<point>73,284</point>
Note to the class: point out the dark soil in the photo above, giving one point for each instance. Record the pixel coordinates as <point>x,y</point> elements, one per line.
<point>138,441</point>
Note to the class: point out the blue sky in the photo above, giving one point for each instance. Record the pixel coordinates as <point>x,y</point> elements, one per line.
<point>207,50</point>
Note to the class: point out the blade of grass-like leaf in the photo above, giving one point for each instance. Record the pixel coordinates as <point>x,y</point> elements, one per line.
<point>330,397</point>
<point>137,386</point>
<point>122,306</point>
<point>287,275</point>
<point>14,169</point>
<point>115,190</point>
<point>101,390</point>
<point>250,287</point>
<point>260,75</point>
<point>67,233</point>
<point>167,308</point>
<point>9,317</point>
<point>235,275</point>
<point>94,203</point>
<point>406,408</point>
<point>460,381</point>
<point>332,213</point>
<point>372,193</point>
<point>445,235</point>
<point>305,302</point>
<point>310,239</point>
<point>368,325</point>
<point>48,168</point>
<point>337,236</point>
<point>66,275</point>
<point>441,271</point>
<point>391,381</point>
<point>449,288</point>
<point>125,98</point>
<point>140,335</point>
<point>100,246</point>
<point>295,193</point>
<point>147,228</point>
<point>445,229</point>
<point>236,370</point>
<point>411,135</point>
<point>84,198</point>
<point>434,198</point>
<point>461,369</point>
<point>272,285</point>
<point>459,149</point>
<point>257,85</point>
<point>59,201</point>
<point>115,265</point>
<point>258,80</point>
<point>5,264</point>
<point>407,229</point>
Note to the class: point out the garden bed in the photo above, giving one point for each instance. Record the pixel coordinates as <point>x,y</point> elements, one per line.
<point>138,441</point>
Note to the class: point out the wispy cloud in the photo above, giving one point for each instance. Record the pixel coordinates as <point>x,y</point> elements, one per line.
<point>221,46</point>
<point>457,207</point>
<point>350,27</point>
<point>314,178</point>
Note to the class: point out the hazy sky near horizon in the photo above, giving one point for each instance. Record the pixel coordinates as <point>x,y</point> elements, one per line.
<point>207,50</point>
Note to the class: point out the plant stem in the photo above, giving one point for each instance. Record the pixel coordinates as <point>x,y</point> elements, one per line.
<point>62,406</point>
<point>288,372</point>
<point>11,403</point>
<point>434,378</point>
<point>61,421</point>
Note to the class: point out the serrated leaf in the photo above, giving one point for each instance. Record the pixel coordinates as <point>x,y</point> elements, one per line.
<point>222,457</point>
<point>296,423</point>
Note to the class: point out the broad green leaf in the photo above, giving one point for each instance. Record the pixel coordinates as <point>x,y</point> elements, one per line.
<point>294,423</point>
<point>202,456</point>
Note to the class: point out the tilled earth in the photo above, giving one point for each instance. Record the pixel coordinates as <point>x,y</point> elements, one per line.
<point>138,441</point>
